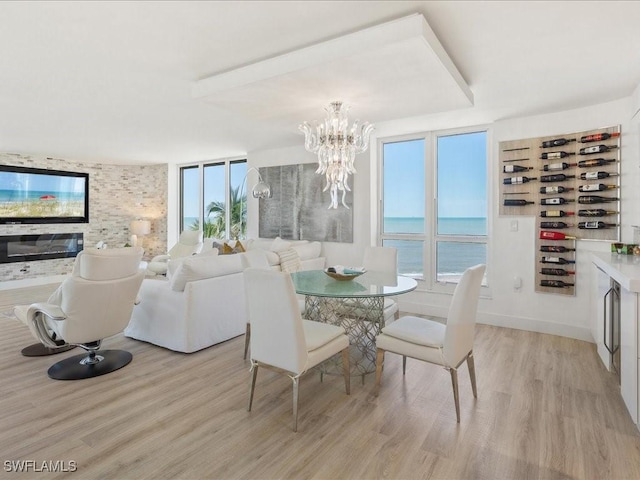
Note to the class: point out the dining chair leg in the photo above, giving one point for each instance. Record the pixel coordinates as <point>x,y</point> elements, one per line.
<point>345,370</point>
<point>254,368</point>
<point>404,364</point>
<point>456,399</point>
<point>471,363</point>
<point>247,336</point>
<point>379,363</point>
<point>295,403</point>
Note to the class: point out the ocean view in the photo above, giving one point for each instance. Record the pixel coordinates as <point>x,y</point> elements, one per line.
<point>453,258</point>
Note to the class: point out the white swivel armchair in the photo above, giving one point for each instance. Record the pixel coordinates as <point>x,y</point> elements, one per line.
<point>189,243</point>
<point>281,339</point>
<point>93,303</point>
<point>447,345</point>
<point>383,259</point>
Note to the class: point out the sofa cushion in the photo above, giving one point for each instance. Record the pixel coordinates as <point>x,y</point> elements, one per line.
<point>201,267</point>
<point>173,264</point>
<point>308,250</point>
<point>255,259</point>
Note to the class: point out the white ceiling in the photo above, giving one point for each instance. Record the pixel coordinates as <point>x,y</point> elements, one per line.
<point>123,82</point>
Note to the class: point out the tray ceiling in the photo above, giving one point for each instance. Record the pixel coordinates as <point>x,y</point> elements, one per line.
<point>392,70</point>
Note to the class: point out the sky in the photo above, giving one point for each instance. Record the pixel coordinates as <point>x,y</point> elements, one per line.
<point>40,182</point>
<point>462,177</point>
<point>461,183</point>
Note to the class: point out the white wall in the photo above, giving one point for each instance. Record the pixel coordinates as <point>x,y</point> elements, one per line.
<point>510,253</point>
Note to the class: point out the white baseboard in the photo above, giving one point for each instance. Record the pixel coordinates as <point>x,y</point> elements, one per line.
<point>31,282</point>
<point>507,321</point>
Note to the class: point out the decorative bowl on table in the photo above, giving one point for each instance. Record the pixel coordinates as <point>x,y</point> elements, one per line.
<point>343,273</point>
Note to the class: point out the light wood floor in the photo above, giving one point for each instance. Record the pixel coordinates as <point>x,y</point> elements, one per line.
<point>547,409</point>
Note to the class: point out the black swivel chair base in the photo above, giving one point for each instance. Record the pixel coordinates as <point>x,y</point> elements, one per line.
<point>72,369</point>
<point>40,350</point>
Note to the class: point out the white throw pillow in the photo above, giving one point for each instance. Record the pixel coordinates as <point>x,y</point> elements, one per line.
<point>308,250</point>
<point>279,245</point>
<point>200,267</point>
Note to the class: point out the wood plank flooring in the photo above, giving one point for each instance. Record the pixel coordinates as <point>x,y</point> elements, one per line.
<point>546,409</point>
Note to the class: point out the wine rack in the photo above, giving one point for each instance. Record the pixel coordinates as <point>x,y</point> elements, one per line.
<point>561,172</point>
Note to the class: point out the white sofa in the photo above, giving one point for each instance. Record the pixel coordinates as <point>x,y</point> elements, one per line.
<point>202,302</point>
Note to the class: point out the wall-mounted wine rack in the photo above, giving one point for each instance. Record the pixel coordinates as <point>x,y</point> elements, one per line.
<point>571,184</point>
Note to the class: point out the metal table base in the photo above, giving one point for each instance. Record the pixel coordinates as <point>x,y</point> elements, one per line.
<point>362,319</point>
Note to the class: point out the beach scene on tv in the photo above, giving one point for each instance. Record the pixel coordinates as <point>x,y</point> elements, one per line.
<point>34,195</point>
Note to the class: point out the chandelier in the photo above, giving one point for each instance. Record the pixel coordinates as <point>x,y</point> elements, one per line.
<point>336,146</point>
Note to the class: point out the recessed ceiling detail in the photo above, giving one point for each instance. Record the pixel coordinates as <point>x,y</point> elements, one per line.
<point>393,70</point>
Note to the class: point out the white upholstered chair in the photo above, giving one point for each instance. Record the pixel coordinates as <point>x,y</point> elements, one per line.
<point>92,303</point>
<point>383,259</point>
<point>281,339</point>
<point>253,259</point>
<point>447,345</point>
<point>189,243</point>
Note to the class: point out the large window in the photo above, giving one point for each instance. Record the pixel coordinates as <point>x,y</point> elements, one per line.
<point>214,195</point>
<point>434,203</point>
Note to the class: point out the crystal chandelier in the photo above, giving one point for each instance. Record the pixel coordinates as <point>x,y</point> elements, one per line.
<point>336,145</point>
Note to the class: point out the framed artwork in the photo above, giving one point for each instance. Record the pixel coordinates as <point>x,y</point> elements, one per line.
<point>299,209</point>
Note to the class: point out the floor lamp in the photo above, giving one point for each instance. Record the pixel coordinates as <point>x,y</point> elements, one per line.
<point>260,190</point>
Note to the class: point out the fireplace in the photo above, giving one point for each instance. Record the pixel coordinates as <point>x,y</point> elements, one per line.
<point>28,248</point>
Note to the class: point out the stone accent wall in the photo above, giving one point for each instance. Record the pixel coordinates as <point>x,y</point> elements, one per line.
<point>118,194</point>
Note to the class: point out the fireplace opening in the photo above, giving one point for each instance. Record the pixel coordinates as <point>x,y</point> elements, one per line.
<point>28,248</point>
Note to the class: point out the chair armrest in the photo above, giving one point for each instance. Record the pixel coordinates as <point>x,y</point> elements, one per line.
<point>37,324</point>
<point>54,312</point>
<point>161,258</point>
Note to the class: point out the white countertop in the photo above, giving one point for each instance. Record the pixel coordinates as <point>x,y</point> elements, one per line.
<point>624,269</point>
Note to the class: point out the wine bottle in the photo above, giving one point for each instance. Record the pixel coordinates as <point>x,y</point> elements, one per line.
<point>556,248</point>
<point>599,137</point>
<point>555,201</point>
<point>557,260</point>
<point>555,225</point>
<point>595,225</point>
<point>551,155</point>
<point>596,187</point>
<point>515,168</point>
<point>596,212</point>
<point>555,213</point>
<point>557,272</point>
<point>596,149</point>
<point>558,177</point>
<point>555,189</point>
<point>596,175</point>
<point>558,142</point>
<point>588,199</point>
<point>517,180</point>
<point>558,166</point>
<point>551,235</point>
<point>555,284</point>
<point>595,162</point>
<point>516,202</point>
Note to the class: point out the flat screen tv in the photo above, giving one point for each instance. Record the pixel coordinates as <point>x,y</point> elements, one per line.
<point>34,195</point>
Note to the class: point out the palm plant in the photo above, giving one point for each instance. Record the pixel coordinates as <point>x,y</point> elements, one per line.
<point>216,210</point>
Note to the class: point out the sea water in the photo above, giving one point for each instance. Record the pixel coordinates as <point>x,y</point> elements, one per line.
<point>452,258</point>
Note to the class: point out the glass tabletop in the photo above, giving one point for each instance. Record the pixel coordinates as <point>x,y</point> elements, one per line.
<point>369,284</point>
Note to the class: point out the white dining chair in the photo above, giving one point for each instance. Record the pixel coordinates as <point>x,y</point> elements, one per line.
<point>447,345</point>
<point>280,339</point>
<point>383,259</point>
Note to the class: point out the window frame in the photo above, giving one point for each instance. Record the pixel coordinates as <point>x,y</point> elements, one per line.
<point>430,237</point>
<point>227,162</point>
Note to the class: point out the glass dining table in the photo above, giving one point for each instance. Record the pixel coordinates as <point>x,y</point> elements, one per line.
<point>357,305</point>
